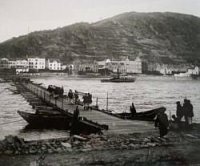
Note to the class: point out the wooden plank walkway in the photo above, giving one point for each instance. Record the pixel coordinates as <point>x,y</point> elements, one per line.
<point>116,125</point>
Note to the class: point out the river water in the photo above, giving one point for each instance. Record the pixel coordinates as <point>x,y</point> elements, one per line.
<point>147,92</point>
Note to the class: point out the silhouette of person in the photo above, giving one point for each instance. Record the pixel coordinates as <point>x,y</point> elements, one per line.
<point>188,112</point>
<point>162,122</point>
<point>179,111</point>
<point>75,122</point>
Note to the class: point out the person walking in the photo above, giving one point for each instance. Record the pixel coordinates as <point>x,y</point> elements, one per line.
<point>162,122</point>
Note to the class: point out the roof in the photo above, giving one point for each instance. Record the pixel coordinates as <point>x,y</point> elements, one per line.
<point>53,60</point>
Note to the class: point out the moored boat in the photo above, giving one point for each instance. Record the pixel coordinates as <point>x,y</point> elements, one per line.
<point>44,120</point>
<point>60,121</point>
<point>119,79</point>
<point>146,115</point>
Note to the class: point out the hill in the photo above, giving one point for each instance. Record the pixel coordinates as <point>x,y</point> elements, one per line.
<point>162,37</point>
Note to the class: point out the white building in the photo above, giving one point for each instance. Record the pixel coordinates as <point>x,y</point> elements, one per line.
<point>86,66</point>
<point>193,71</point>
<point>54,64</point>
<point>21,66</point>
<point>36,63</point>
<point>125,66</point>
<point>133,66</point>
<point>12,64</point>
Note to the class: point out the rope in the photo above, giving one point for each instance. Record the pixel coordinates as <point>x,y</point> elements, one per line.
<point>10,122</point>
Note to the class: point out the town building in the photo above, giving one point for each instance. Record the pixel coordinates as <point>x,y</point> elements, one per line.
<point>4,63</point>
<point>21,65</point>
<point>124,66</point>
<point>194,71</point>
<point>54,64</point>
<point>167,69</point>
<point>37,63</point>
<point>84,67</point>
<point>12,64</point>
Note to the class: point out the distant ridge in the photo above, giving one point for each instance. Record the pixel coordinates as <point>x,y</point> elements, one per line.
<point>161,37</point>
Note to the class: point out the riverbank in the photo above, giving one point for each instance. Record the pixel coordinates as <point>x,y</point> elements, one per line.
<point>177,148</point>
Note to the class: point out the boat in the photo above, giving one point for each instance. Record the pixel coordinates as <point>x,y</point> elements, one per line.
<point>146,115</point>
<point>59,120</point>
<point>119,78</point>
<point>44,120</point>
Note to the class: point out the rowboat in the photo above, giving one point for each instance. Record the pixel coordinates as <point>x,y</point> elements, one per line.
<point>145,116</point>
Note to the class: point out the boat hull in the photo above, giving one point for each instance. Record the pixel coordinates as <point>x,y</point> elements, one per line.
<point>145,116</point>
<point>46,121</point>
<point>118,80</point>
<point>62,121</point>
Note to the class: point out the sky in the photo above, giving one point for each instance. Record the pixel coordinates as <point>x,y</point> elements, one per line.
<point>20,17</point>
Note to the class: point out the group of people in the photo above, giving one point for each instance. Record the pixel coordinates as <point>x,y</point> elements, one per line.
<point>87,100</point>
<point>73,97</point>
<point>55,90</point>
<point>161,121</point>
<point>186,111</point>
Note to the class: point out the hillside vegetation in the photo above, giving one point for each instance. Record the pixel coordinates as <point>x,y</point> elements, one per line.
<point>161,37</point>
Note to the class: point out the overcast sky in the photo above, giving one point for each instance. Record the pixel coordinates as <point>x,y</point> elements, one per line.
<point>19,17</point>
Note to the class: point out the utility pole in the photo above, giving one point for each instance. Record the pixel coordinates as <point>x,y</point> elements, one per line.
<point>107,102</point>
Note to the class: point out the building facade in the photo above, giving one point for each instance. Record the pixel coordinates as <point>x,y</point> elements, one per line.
<point>37,63</point>
<point>21,66</point>
<point>53,64</point>
<point>86,67</point>
<point>125,66</point>
<point>4,63</point>
<point>194,71</point>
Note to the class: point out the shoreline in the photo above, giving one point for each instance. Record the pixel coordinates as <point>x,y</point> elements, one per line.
<point>177,148</point>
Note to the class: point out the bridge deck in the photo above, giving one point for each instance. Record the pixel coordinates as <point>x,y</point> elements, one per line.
<point>116,125</point>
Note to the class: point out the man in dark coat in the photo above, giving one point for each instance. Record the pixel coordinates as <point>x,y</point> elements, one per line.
<point>162,122</point>
<point>179,111</point>
<point>188,112</point>
<point>75,122</point>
